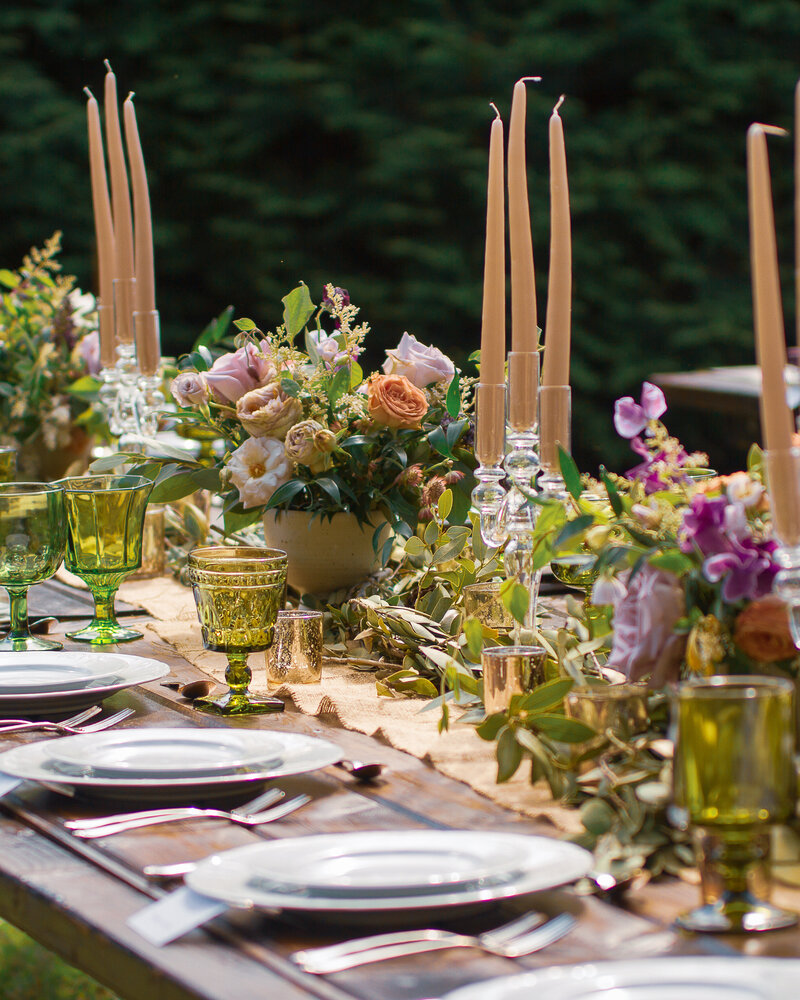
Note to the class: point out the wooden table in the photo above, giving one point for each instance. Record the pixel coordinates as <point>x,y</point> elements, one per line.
<point>74,896</point>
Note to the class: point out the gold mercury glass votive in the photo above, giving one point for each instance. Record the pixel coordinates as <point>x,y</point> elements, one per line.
<point>295,656</point>
<point>154,552</point>
<point>510,670</point>
<point>483,602</point>
<point>8,464</point>
<point>621,708</point>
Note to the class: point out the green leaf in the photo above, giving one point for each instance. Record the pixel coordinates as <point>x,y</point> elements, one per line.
<point>438,441</point>
<point>339,385</point>
<point>445,504</point>
<point>545,696</point>
<point>491,726</point>
<point>473,633</point>
<point>8,278</point>
<point>562,729</point>
<point>414,546</point>
<point>216,329</point>
<point>516,599</point>
<point>509,755</point>
<point>285,493</point>
<point>613,494</point>
<point>571,529</point>
<point>297,310</point>
<point>454,432</point>
<point>290,387</point>
<point>569,470</point>
<point>234,521</point>
<point>329,486</point>
<point>181,484</point>
<point>245,325</point>
<point>356,374</point>
<point>672,561</point>
<point>597,816</point>
<point>452,400</point>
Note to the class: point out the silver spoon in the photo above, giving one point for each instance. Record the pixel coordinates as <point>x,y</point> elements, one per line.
<point>359,770</point>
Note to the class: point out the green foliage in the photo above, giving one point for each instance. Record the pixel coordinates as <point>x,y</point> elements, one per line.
<point>281,137</point>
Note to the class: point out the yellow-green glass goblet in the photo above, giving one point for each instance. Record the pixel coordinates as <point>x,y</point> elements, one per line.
<point>734,775</point>
<point>238,591</point>
<point>8,464</point>
<point>32,535</point>
<point>105,516</point>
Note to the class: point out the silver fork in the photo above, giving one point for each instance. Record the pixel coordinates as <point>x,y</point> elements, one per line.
<point>268,798</point>
<point>73,720</point>
<point>509,941</point>
<point>170,816</point>
<point>66,727</point>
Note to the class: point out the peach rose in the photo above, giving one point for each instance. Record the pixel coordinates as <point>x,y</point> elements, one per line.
<point>762,631</point>
<point>394,401</point>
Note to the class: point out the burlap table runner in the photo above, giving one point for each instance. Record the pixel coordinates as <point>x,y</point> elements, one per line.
<point>348,698</point>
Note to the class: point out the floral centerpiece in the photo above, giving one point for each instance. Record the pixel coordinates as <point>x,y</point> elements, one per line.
<point>305,429</point>
<point>49,353</point>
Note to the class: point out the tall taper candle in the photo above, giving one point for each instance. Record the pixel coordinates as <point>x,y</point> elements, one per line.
<point>524,322</point>
<point>104,233</point>
<point>148,345</point>
<point>120,199</point>
<point>493,327</point>
<point>776,417</point>
<point>557,328</point>
<point>797,209</point>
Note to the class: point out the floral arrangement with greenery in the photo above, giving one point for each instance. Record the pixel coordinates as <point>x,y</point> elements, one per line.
<point>49,355</point>
<point>305,429</point>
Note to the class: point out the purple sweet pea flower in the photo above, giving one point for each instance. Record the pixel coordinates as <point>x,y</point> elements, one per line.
<point>748,568</point>
<point>703,524</point>
<point>630,418</point>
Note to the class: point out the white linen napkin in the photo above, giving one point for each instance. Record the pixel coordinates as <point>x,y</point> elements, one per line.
<point>175,915</point>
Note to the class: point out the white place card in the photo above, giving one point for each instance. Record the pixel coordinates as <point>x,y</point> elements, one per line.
<point>175,915</point>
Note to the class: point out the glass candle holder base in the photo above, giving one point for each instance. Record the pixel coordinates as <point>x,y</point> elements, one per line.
<point>28,644</point>
<point>736,913</point>
<point>103,633</point>
<point>236,703</point>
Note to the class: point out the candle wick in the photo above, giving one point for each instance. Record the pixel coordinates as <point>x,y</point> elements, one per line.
<point>770,129</point>
<point>108,65</point>
<point>493,105</point>
<point>559,102</point>
<point>529,79</point>
<point>130,96</point>
<point>88,92</point>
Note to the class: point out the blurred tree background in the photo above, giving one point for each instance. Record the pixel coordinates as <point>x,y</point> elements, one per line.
<point>347,142</point>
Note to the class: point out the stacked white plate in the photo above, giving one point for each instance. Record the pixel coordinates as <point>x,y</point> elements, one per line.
<point>53,683</point>
<point>694,978</point>
<point>173,765</point>
<point>353,874</point>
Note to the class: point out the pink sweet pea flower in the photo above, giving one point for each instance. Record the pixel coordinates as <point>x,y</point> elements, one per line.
<point>631,418</point>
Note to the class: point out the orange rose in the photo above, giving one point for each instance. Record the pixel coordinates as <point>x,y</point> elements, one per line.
<point>394,401</point>
<point>762,631</point>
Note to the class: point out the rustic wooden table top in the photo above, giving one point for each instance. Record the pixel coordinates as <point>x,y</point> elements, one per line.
<point>74,896</point>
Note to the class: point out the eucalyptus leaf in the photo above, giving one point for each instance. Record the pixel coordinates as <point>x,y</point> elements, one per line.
<point>473,632</point>
<point>509,755</point>
<point>562,729</point>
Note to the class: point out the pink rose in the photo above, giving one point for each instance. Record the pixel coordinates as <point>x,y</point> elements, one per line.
<point>421,365</point>
<point>89,349</point>
<point>232,375</point>
<point>189,389</point>
<point>645,643</point>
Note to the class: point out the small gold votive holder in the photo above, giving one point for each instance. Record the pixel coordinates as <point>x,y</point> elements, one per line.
<point>8,464</point>
<point>621,708</point>
<point>482,601</point>
<point>295,656</point>
<point>154,551</point>
<point>510,670</point>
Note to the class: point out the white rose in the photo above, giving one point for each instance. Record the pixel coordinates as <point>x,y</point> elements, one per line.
<point>257,468</point>
<point>740,488</point>
<point>327,346</point>
<point>421,365</point>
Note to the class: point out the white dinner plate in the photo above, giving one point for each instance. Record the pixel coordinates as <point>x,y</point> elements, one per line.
<point>170,753</point>
<point>289,753</point>
<point>353,873</point>
<point>65,682</point>
<point>695,978</point>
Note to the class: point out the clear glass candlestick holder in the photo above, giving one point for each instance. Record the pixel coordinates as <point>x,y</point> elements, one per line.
<point>555,428</point>
<point>488,495</point>
<point>783,483</point>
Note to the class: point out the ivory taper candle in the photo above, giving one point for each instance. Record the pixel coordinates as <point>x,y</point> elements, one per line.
<point>524,321</point>
<point>493,325</point>
<point>776,417</point>
<point>797,210</point>
<point>104,233</point>
<point>557,328</point>
<point>121,205</point>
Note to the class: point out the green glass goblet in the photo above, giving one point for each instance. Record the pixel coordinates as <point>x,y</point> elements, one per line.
<point>8,464</point>
<point>734,775</point>
<point>32,536</point>
<point>238,591</point>
<point>105,517</point>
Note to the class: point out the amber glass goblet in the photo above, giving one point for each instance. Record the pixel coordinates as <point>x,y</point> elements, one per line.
<point>105,516</point>
<point>238,591</point>
<point>734,775</point>
<point>32,535</point>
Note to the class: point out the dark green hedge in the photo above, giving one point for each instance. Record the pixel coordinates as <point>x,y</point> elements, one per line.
<point>312,140</point>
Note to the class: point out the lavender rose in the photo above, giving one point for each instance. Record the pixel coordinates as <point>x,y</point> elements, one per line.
<point>645,616</point>
<point>189,389</point>
<point>421,365</point>
<point>232,375</point>
<point>300,445</point>
<point>268,411</point>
